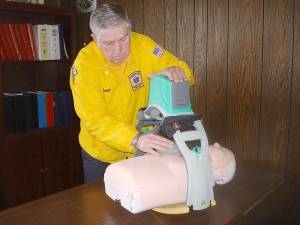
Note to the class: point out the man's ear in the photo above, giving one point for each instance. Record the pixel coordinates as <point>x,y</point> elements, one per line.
<point>93,37</point>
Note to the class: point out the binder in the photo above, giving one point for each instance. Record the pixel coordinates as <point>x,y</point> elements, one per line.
<point>23,40</point>
<point>41,105</point>
<point>14,41</point>
<point>62,44</point>
<point>70,107</point>
<point>6,41</point>
<point>50,109</point>
<point>32,41</point>
<point>40,32</point>
<point>9,112</point>
<point>19,113</point>
<point>60,118</point>
<point>31,109</point>
<point>53,42</point>
<point>2,53</point>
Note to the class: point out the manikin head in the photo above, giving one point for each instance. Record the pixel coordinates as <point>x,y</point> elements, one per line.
<point>111,29</point>
<point>222,163</point>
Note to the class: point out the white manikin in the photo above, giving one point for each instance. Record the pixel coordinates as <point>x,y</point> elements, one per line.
<point>148,181</point>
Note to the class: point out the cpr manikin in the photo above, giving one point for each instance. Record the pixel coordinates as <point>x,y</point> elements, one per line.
<point>149,181</point>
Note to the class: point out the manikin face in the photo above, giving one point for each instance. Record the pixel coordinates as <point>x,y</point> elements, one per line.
<point>114,42</point>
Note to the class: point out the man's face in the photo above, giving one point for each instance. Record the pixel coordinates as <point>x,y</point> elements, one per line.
<point>114,42</point>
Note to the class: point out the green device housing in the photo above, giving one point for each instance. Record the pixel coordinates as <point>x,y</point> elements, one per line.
<point>172,98</point>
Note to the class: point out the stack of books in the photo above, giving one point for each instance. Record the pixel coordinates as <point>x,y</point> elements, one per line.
<point>31,110</point>
<point>32,42</point>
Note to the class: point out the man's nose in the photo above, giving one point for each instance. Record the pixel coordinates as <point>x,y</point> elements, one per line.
<point>117,47</point>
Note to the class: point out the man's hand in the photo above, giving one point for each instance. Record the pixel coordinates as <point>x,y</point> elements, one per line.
<point>173,73</point>
<point>151,143</point>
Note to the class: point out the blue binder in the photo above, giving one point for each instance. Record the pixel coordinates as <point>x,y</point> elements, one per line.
<point>42,116</point>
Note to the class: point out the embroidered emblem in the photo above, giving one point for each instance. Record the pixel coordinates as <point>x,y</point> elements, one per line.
<point>74,72</point>
<point>158,51</point>
<point>136,80</point>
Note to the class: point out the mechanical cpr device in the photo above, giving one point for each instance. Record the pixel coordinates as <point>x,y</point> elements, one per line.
<point>169,112</point>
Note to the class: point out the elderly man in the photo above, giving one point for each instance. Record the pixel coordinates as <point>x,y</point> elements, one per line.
<point>110,83</point>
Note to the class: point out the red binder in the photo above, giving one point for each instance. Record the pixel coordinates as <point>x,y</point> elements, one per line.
<point>7,45</point>
<point>23,37</point>
<point>2,54</point>
<point>15,41</point>
<point>31,40</point>
<point>50,109</point>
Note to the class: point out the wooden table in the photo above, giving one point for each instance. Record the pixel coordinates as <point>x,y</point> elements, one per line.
<point>88,204</point>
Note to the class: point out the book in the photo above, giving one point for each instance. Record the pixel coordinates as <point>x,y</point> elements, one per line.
<point>40,32</point>
<point>20,111</point>
<point>9,112</point>
<point>50,109</point>
<point>2,53</point>
<point>15,42</point>
<point>6,41</point>
<point>31,41</point>
<point>41,106</point>
<point>70,107</point>
<point>66,111</point>
<point>62,44</point>
<point>26,39</point>
<point>60,108</point>
<point>64,108</point>
<point>10,43</point>
<point>31,109</point>
<point>20,41</point>
<point>53,42</point>
<point>23,41</point>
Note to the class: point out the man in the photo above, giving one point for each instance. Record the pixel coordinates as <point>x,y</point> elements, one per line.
<point>110,83</point>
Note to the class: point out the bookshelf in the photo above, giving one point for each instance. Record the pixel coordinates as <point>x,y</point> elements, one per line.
<point>41,161</point>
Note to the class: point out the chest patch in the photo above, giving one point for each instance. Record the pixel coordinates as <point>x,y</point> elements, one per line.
<point>136,80</point>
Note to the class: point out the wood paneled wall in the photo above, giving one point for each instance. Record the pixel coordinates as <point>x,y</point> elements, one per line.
<point>245,55</point>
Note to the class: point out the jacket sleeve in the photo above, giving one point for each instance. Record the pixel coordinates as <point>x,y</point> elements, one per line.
<point>90,107</point>
<point>161,59</point>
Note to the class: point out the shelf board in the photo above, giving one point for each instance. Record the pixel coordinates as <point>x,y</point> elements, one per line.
<point>34,8</point>
<point>38,131</point>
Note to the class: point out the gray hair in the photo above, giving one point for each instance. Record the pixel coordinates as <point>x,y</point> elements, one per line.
<point>108,16</point>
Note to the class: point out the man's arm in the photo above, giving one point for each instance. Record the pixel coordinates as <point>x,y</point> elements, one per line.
<point>91,108</point>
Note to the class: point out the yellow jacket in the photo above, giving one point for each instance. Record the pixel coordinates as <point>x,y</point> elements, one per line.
<point>107,98</point>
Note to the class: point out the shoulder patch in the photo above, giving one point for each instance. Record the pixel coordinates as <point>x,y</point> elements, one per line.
<point>74,72</point>
<point>158,51</point>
